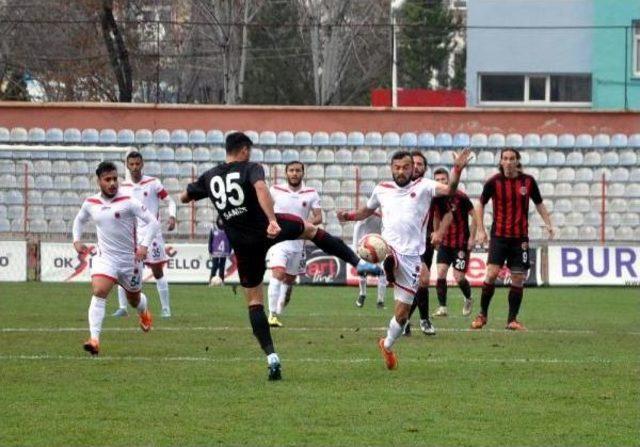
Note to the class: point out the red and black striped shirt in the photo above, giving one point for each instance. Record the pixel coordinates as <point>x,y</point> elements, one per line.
<point>457,235</point>
<point>437,208</point>
<point>511,203</point>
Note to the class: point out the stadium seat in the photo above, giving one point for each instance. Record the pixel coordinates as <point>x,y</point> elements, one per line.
<point>79,167</point>
<point>563,206</point>
<point>8,167</point>
<point>50,197</point>
<point>525,158</point>
<point>378,156</point>
<point>3,208</point>
<point>556,158</point>
<point>584,141</point>
<point>8,181</point>
<point>628,158</point>
<point>285,138</point>
<point>302,139</point>
<point>268,138</point>
<point>361,156</point>
<point>170,169</point>
<point>476,174</point>
<point>126,136</point>
<point>580,204</point>
<point>496,140</point>
<point>485,158</point>
<point>344,202</point>
<point>165,153</point>
<point>546,189</point>
<point>35,212</point>
<point>474,189</point>
<point>36,135</point>
<point>197,136</point>
<point>331,186</point>
<point>202,154</point>
<point>257,155</point>
<point>446,157</point>
<point>426,139</point>
<point>549,140</point>
<point>61,167</point>
<point>349,172</point>
<point>218,154</point>
<point>5,225</point>
<point>373,139</point>
<point>253,136</point>
<point>390,139</point>
<point>34,197</point>
<point>584,175</point>
<point>183,153</point>
<point>152,168</point>
<point>289,155</point>
<point>575,158</point>
<point>587,233</point>
<point>54,135</point>
<point>326,156</point>
<point>149,153</point>
<point>566,141</point>
<point>531,140</point>
<point>477,140</point>
<point>433,157</point>
<point>548,175</point>
<point>17,225</point>
<point>616,189</point>
<point>609,158</point>
<point>580,189</point>
<point>58,226</point>
<point>108,136</point>
<point>348,187</point>
<point>42,167</point>
<point>15,212</point>
<point>384,173</point>
<point>320,139</point>
<point>315,184</point>
<point>315,172</point>
<point>535,172</point>
<point>204,214</point>
<point>183,213</point>
<point>632,190</point>
<point>601,141</point>
<point>369,173</point>
<point>328,204</point>
<point>179,136</point>
<point>617,206</point>
<point>569,233</point>
<point>574,218</point>
<point>409,140</point>
<point>5,134</point>
<point>343,156</point>
<point>634,175</point>
<point>598,172</point>
<point>308,156</point>
<point>201,168</point>
<point>90,136</point>
<point>366,187</point>
<point>19,134</point>
<point>272,156</point>
<point>355,139</point>
<point>618,140</point>
<point>609,233</point>
<point>214,137</point>
<point>592,218</point>
<point>634,140</point>
<point>624,234</point>
<point>187,170</point>
<point>20,179</point>
<point>444,140</point>
<point>72,198</point>
<point>630,219</point>
<point>347,230</point>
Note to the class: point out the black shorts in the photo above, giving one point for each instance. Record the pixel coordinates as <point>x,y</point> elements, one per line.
<point>457,257</point>
<point>427,256</point>
<point>515,251</point>
<point>251,256</point>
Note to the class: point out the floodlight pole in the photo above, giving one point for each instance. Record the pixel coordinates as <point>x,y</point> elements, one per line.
<point>394,59</point>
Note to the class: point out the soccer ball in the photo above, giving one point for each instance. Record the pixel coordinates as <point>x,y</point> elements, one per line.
<point>215,282</point>
<point>372,248</point>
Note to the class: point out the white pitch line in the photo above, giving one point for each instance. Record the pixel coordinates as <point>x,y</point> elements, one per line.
<point>314,360</point>
<point>293,329</point>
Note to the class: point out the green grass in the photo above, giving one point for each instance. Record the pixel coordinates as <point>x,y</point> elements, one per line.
<point>199,378</point>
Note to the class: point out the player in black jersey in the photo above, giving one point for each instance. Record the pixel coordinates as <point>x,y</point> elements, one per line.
<point>240,195</point>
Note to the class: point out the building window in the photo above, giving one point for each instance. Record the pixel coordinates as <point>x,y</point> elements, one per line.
<point>533,90</point>
<point>636,47</point>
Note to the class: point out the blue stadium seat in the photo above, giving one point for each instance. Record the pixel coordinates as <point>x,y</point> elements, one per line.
<point>315,172</point>
<point>549,175</point>
<point>444,139</point>
<point>326,156</point>
<point>79,167</point>
<point>54,135</point>
<point>514,140</point>
<point>366,187</point>
<point>580,189</point>
<point>5,134</point>
<point>82,183</point>
<point>183,153</point>
<point>268,138</point>
<point>408,139</point>
<point>373,139</point>
<point>549,141</point>
<point>197,136</point>
<point>218,154</point>
<point>331,186</point>
<point>215,137</point>
<point>584,175</point>
<point>90,136</point>
<point>556,158</point>
<point>72,135</point>
<point>289,155</point>
<point>272,156</point>
<point>355,139</point>
<point>628,158</point>
<point>19,134</point>
<point>378,156</point>
<point>170,169</point>
<point>158,136</point>
<point>485,158</point>
<point>361,156</point>
<point>619,140</point>
<point>302,139</point>
<point>477,140</point>
<point>566,141</point>
<point>634,140</point>
<point>567,174</point>
<point>343,156</point>
<point>152,168</point>
<point>348,187</point>
<point>202,154</point>
<point>149,153</point>
<point>257,155</point>
<point>592,158</point>
<point>632,190</point>
<point>165,153</point>
<point>537,158</point>
<point>186,170</point>
<point>34,197</point>
<point>390,139</point>
<point>433,157</point>
<point>108,136</point>
<point>531,140</point>
<point>496,140</point>
<point>547,189</point>
<point>285,138</point>
<point>49,196</point>
<point>462,140</point>
<point>35,211</point>
<point>7,167</point>
<point>333,172</point>
<point>5,225</point>
<point>584,141</point>
<point>320,139</point>
<point>601,141</point>
<point>369,173</point>
<point>179,136</point>
<point>61,167</point>
<point>315,184</point>
<point>308,156</point>
<point>36,135</point>
<point>610,158</point>
<point>338,139</point>
<point>126,136</point>
<point>574,158</point>
<point>62,182</point>
<point>72,198</point>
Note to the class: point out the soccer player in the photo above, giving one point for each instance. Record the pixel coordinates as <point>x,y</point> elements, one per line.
<point>404,205</point>
<point>219,250</point>
<point>148,191</point>
<point>510,191</point>
<point>370,225</point>
<point>238,191</point>
<point>455,246</point>
<point>119,258</point>
<point>287,259</point>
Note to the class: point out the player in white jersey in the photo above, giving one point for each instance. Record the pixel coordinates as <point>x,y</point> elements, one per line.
<point>149,191</point>
<point>287,259</point>
<point>370,225</point>
<point>404,205</point>
<point>119,258</point>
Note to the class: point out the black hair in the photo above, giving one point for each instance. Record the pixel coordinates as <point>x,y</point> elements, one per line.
<point>134,154</point>
<point>295,162</point>
<point>105,166</point>
<point>236,141</point>
<point>417,153</point>
<point>515,151</point>
<point>441,171</point>
<point>399,155</point>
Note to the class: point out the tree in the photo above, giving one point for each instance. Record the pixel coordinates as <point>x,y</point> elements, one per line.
<point>118,54</point>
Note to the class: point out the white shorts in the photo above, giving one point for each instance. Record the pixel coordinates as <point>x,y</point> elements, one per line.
<point>293,262</point>
<point>128,274</point>
<point>406,275</point>
<point>156,253</point>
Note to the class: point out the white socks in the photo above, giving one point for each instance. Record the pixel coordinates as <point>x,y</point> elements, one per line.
<point>274,294</point>
<point>96,315</point>
<point>273,358</point>
<point>284,289</point>
<point>394,331</point>
<point>382,288</point>
<point>142,305</point>
<point>363,285</point>
<point>122,298</point>
<point>163,290</point>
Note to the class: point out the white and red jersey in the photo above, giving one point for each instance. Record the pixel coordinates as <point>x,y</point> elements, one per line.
<point>148,191</point>
<point>299,203</point>
<point>404,213</point>
<point>116,221</point>
<point>372,224</point>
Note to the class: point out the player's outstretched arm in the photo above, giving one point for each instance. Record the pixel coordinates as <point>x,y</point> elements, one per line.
<point>544,213</point>
<point>78,224</point>
<point>266,203</point>
<point>473,230</point>
<point>172,212</point>
<point>481,233</point>
<point>145,215</point>
<point>460,161</point>
<point>440,227</point>
<point>360,214</point>
<point>184,197</point>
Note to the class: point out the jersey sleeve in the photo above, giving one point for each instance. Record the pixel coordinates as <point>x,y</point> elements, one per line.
<point>535,192</point>
<point>487,192</point>
<point>160,191</point>
<point>374,202</point>
<point>467,205</point>
<point>78,223</point>
<point>198,190</point>
<point>429,186</point>
<point>142,213</point>
<point>315,201</point>
<point>256,173</point>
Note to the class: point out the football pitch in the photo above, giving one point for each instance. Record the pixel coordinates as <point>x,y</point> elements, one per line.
<point>199,378</point>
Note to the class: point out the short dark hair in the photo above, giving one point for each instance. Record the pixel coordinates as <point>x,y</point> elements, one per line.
<point>236,141</point>
<point>133,154</point>
<point>417,153</point>
<point>399,155</point>
<point>291,163</point>
<point>441,171</point>
<point>105,166</point>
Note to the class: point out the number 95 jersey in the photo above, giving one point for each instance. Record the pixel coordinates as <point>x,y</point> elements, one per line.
<point>230,188</point>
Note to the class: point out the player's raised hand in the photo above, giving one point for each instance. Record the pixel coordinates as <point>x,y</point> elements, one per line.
<point>342,216</point>
<point>462,158</point>
<point>273,230</point>
<point>481,238</point>
<point>141,252</point>
<point>80,247</point>
<point>551,231</point>
<point>172,223</point>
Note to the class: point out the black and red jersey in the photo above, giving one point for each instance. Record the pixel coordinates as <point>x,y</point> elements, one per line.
<point>457,235</point>
<point>511,203</point>
<point>438,208</point>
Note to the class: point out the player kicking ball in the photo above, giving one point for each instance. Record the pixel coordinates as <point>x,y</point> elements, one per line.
<point>404,206</point>
<point>119,259</point>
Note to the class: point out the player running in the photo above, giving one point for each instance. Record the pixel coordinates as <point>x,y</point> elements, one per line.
<point>370,225</point>
<point>510,190</point>
<point>404,205</point>
<point>238,191</point>
<point>148,191</point>
<point>119,258</point>
<point>455,246</point>
<point>287,259</point>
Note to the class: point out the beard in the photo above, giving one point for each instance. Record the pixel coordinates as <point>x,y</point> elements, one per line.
<point>294,183</point>
<point>401,181</point>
